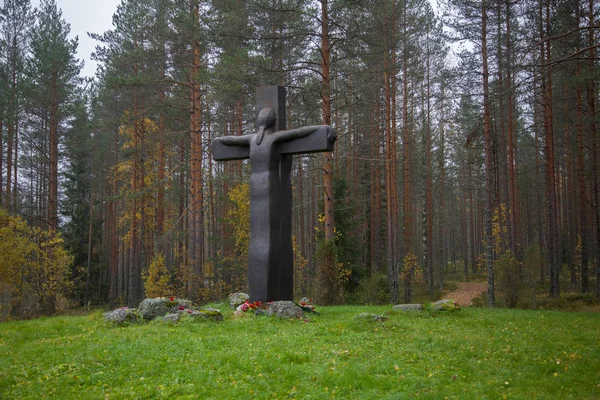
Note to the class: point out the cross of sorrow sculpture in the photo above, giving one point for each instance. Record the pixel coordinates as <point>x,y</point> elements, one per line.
<point>270,150</point>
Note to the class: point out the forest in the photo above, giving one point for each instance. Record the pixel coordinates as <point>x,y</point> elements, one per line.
<point>467,146</point>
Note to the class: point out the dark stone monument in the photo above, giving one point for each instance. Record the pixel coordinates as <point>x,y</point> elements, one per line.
<point>270,150</point>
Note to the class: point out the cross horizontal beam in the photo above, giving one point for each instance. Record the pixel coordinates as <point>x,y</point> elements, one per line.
<point>316,142</point>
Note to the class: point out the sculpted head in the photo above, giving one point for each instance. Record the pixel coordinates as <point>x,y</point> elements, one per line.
<point>266,119</point>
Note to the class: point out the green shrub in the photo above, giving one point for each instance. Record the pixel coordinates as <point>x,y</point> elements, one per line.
<point>508,270</point>
<point>374,290</point>
<point>330,278</point>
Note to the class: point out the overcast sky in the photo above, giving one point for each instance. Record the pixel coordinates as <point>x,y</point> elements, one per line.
<point>93,16</point>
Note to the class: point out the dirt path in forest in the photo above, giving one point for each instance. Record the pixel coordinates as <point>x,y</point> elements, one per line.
<point>466,292</point>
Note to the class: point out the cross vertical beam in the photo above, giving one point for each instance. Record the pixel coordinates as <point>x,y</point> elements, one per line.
<point>274,97</point>
<point>280,284</point>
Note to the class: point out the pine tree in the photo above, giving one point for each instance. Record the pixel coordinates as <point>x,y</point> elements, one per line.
<point>79,178</point>
<point>54,74</point>
<point>17,19</point>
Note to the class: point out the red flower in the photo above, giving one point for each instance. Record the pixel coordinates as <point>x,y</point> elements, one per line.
<point>181,308</point>
<point>171,299</point>
<point>189,311</point>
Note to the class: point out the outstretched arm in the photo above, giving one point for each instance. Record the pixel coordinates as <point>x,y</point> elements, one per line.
<point>231,140</point>
<point>286,136</point>
<point>231,147</point>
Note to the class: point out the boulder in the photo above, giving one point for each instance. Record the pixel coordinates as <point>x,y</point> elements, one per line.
<point>371,317</point>
<point>171,318</point>
<point>445,305</point>
<point>213,314</point>
<point>200,314</point>
<point>122,316</point>
<point>284,309</point>
<point>236,299</point>
<point>153,308</point>
<point>408,307</point>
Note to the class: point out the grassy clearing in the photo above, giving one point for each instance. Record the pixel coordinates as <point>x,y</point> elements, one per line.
<point>476,353</point>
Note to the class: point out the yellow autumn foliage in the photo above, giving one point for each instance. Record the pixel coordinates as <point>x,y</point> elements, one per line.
<point>140,156</point>
<point>34,268</point>
<point>411,270</point>
<point>156,279</point>
<point>499,228</point>
<point>238,216</point>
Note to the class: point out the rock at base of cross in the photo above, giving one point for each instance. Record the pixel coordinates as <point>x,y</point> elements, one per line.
<point>122,316</point>
<point>284,309</point>
<point>237,298</point>
<point>408,307</point>
<point>371,317</point>
<point>158,307</point>
<point>445,305</point>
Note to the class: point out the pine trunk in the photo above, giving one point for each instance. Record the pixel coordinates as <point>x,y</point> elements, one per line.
<point>442,223</point>
<point>326,98</point>
<point>569,194</point>
<point>489,183</point>
<point>428,235</point>
<point>53,159</point>
<point>12,122</point>
<point>552,239</point>
<point>134,272</point>
<point>160,199</point>
<point>464,218</point>
<point>212,231</point>
<point>389,182</point>
<point>181,203</point>
<point>408,275</point>
<point>513,212</point>
<point>375,190</point>
<point>472,213</point>
<point>591,95</point>
<point>582,200</point>
<point>196,234</point>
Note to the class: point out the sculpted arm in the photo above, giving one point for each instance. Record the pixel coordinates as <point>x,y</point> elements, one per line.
<point>231,140</point>
<point>286,136</point>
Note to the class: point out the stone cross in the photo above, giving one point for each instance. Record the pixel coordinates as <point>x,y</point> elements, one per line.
<point>270,150</point>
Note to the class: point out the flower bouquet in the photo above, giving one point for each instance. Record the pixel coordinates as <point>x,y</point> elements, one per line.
<point>256,308</point>
<point>306,306</point>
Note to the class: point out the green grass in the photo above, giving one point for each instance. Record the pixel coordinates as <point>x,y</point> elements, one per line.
<point>473,354</point>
